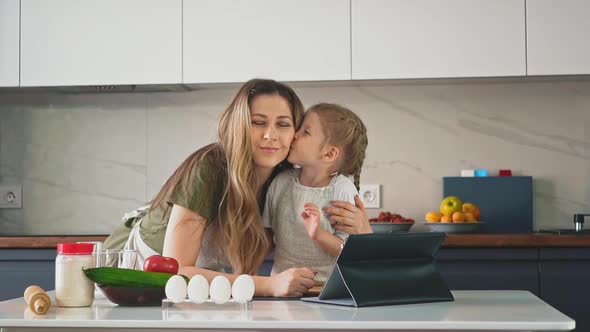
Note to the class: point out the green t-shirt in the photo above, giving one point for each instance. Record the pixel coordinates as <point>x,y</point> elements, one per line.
<point>201,191</point>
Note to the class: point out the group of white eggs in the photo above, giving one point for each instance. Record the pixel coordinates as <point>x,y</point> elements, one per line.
<point>220,290</point>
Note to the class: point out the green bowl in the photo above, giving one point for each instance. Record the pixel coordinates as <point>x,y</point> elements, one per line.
<point>456,227</point>
<point>390,227</point>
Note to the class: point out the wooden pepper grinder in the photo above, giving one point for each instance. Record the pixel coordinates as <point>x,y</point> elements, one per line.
<point>38,301</point>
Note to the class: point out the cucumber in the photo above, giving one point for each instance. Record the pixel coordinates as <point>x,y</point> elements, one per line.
<point>112,276</point>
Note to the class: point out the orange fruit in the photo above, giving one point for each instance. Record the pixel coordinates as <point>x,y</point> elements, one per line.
<point>458,217</point>
<point>476,213</point>
<point>471,208</point>
<point>433,216</point>
<point>469,217</point>
<point>446,219</point>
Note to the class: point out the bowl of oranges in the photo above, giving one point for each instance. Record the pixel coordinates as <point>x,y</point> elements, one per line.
<point>388,222</point>
<point>454,216</point>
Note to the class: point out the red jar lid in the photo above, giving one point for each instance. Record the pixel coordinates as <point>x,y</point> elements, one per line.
<point>75,248</point>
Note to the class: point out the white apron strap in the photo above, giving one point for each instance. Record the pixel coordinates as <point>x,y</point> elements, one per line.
<point>135,242</point>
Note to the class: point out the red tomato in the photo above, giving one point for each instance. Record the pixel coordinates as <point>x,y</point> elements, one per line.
<point>157,263</point>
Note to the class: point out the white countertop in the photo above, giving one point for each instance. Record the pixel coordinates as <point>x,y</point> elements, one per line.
<point>471,310</point>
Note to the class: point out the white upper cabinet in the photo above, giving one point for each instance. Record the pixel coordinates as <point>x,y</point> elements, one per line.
<point>434,38</point>
<point>9,39</point>
<point>288,40</point>
<point>97,42</point>
<point>558,37</point>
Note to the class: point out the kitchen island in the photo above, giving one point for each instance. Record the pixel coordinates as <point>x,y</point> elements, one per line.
<point>468,240</point>
<point>471,311</point>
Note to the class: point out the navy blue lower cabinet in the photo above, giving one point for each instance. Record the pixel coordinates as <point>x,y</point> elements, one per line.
<point>266,266</point>
<point>490,268</point>
<point>20,268</point>
<point>565,282</point>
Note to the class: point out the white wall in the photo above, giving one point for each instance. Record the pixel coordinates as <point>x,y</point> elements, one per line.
<point>84,160</point>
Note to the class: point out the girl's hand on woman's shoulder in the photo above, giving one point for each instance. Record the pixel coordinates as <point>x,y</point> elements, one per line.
<point>293,282</point>
<point>349,218</point>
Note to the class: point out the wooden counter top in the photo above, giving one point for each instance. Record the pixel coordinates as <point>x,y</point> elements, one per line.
<point>39,242</point>
<point>516,240</point>
<point>452,241</point>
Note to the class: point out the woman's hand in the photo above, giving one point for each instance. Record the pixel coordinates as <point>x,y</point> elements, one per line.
<point>292,283</point>
<point>349,218</point>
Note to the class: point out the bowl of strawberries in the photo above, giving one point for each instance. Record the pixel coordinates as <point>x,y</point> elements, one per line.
<point>388,222</point>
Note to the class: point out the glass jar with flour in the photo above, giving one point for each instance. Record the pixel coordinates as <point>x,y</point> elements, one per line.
<point>72,288</point>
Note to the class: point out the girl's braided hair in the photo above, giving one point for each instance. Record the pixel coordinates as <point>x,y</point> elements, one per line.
<point>343,128</point>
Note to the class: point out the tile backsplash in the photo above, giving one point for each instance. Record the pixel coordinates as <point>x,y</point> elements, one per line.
<point>84,160</point>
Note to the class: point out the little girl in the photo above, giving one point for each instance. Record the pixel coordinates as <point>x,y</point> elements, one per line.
<point>329,146</point>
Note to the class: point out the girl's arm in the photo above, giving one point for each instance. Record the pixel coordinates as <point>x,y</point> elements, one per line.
<point>330,243</point>
<point>183,239</point>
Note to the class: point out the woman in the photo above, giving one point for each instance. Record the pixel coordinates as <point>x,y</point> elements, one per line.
<point>208,213</point>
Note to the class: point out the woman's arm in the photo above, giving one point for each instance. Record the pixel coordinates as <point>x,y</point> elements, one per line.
<point>349,218</point>
<point>183,239</point>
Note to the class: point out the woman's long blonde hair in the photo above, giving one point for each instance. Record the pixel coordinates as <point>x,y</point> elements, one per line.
<point>343,128</point>
<point>241,233</point>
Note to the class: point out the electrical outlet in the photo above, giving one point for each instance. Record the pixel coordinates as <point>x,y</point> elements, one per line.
<point>11,196</point>
<point>370,195</point>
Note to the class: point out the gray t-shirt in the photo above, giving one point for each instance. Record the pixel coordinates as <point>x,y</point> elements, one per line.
<point>282,212</point>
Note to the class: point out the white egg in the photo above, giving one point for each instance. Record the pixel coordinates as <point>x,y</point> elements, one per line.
<point>243,288</point>
<point>198,289</point>
<point>176,289</point>
<point>220,290</point>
